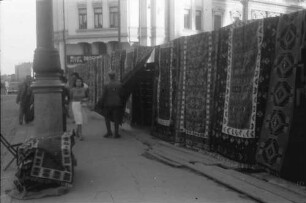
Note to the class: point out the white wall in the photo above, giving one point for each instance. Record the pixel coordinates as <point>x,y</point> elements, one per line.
<point>150,22</point>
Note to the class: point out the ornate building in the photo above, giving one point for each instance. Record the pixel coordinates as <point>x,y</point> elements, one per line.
<point>87,28</point>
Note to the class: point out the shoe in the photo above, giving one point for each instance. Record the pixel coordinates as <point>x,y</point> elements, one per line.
<point>107,135</point>
<point>117,136</point>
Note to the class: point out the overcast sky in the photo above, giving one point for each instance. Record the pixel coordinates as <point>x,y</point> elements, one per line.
<point>17,33</point>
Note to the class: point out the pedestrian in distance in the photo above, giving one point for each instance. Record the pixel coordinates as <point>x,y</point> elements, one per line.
<point>25,99</point>
<point>111,104</point>
<point>65,101</point>
<point>79,98</point>
<point>73,77</point>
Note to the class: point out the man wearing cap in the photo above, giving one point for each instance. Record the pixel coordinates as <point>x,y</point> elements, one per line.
<point>112,104</point>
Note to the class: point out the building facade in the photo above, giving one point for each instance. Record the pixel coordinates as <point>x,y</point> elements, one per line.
<point>22,70</point>
<point>87,28</point>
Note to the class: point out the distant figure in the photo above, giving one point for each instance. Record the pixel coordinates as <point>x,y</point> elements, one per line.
<point>111,103</point>
<point>65,101</point>
<point>25,99</point>
<point>79,97</point>
<point>3,88</point>
<point>72,79</point>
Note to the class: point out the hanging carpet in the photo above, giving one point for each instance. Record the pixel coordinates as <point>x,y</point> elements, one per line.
<point>278,127</point>
<point>236,100</point>
<point>195,65</point>
<point>165,59</point>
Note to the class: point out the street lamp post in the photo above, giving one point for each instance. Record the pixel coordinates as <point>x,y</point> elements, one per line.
<point>47,88</point>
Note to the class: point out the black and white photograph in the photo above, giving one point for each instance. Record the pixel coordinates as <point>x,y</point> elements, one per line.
<point>153,101</point>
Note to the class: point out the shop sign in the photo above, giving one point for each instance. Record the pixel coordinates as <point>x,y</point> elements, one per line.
<point>79,59</point>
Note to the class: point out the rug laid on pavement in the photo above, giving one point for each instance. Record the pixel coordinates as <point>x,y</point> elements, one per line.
<point>45,167</point>
<point>278,127</point>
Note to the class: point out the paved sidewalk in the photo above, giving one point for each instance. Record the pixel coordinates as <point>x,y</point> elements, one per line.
<point>261,187</point>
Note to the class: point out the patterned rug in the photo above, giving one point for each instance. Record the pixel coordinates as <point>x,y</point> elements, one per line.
<point>99,78</point>
<point>117,63</point>
<point>195,68</point>
<point>129,63</point>
<point>142,54</point>
<point>277,125</point>
<point>165,86</point>
<point>238,81</point>
<point>242,80</point>
<point>164,56</point>
<point>45,163</point>
<point>180,91</point>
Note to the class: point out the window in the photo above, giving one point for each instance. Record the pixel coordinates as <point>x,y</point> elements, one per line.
<point>98,17</point>
<point>86,49</point>
<point>198,20</point>
<point>114,16</point>
<point>217,21</point>
<point>101,48</point>
<point>187,19</point>
<point>82,18</point>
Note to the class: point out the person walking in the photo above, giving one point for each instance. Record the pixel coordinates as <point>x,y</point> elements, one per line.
<point>111,103</point>
<point>79,97</point>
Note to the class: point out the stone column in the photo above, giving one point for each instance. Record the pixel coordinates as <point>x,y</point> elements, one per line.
<point>145,22</point>
<point>245,10</point>
<point>207,16</point>
<point>47,88</point>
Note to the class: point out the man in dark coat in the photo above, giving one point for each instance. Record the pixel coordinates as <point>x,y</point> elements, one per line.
<point>25,100</point>
<point>112,104</point>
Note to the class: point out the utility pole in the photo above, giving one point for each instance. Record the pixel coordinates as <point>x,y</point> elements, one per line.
<point>47,88</point>
<point>119,24</point>
<point>64,37</point>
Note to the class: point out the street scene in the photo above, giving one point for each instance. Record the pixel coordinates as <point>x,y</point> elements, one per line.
<point>153,101</point>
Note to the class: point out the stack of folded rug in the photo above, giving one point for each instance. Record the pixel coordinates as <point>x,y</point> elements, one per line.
<point>45,167</point>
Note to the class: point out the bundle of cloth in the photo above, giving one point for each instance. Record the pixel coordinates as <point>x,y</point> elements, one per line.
<point>45,167</point>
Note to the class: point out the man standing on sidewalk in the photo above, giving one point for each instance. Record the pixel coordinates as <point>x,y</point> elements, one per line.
<point>25,99</point>
<point>112,104</point>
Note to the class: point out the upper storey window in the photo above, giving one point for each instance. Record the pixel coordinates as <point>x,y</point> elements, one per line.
<point>187,19</point>
<point>82,18</point>
<point>217,21</point>
<point>98,17</point>
<point>198,18</point>
<point>114,16</point>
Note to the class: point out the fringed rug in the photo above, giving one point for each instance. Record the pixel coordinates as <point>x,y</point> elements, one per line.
<point>234,134</point>
<point>45,167</point>
<point>166,65</point>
